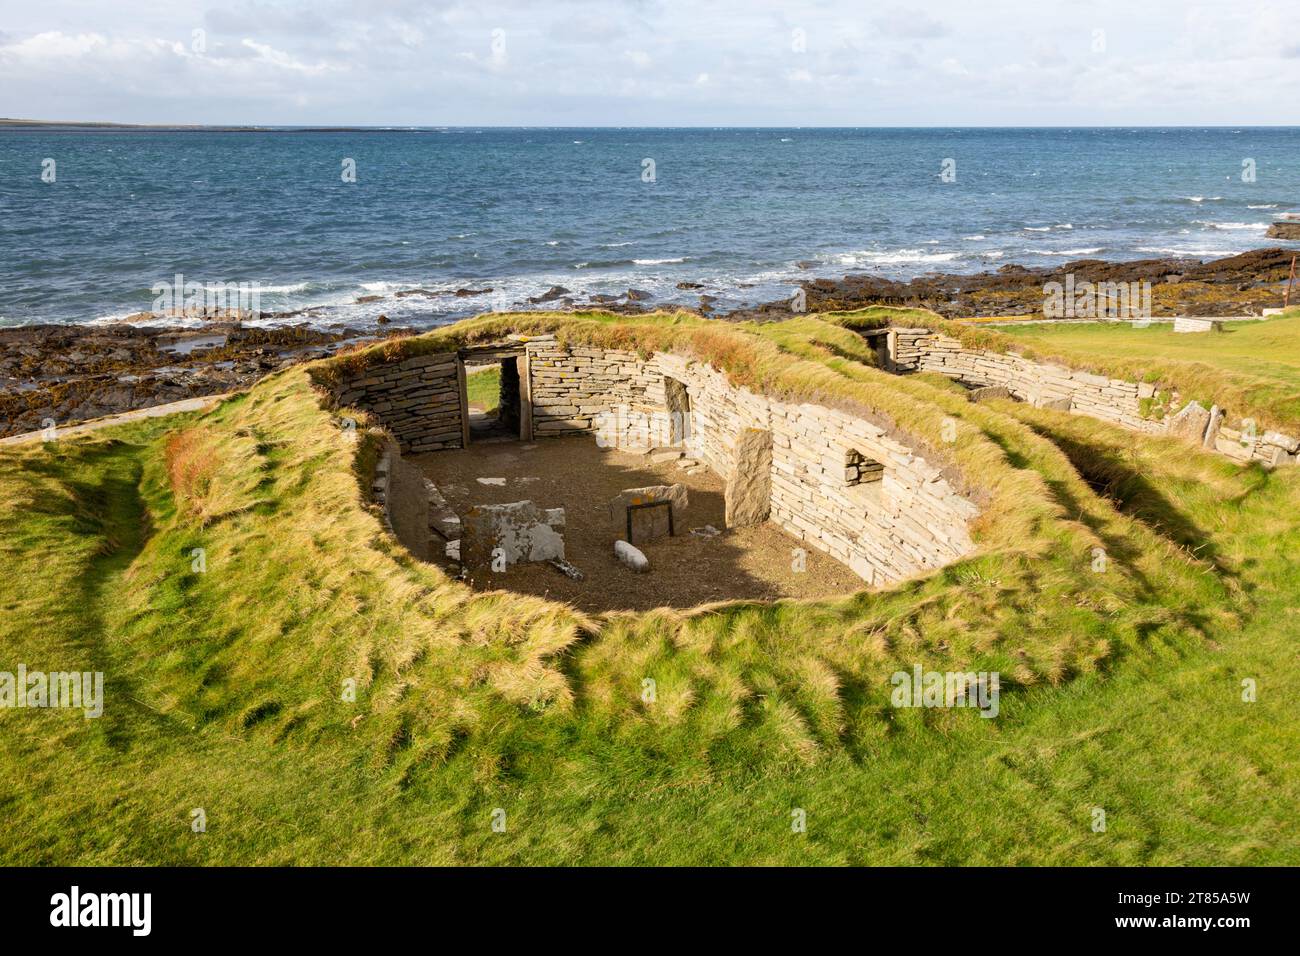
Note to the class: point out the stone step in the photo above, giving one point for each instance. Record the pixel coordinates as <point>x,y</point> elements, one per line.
<point>659,455</point>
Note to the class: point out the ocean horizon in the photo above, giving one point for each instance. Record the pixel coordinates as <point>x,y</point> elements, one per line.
<point>317,220</point>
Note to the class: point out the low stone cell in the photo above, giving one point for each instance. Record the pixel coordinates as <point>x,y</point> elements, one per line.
<point>756,562</point>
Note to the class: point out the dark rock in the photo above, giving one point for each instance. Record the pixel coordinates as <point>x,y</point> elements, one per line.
<point>124,367</point>
<point>1289,231</point>
<point>550,295</point>
<point>1242,284</point>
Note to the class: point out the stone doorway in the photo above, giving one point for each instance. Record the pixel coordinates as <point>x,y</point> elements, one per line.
<point>495,397</point>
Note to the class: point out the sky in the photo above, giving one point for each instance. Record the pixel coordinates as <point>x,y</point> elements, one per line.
<point>653,62</point>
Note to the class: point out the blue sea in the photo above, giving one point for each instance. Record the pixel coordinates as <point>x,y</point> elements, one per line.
<point>745,212</point>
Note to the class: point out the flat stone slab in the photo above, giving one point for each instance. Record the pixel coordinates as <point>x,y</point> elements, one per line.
<point>442,519</point>
<point>1058,404</point>
<point>658,455</point>
<point>985,392</point>
<point>1190,324</point>
<point>516,532</point>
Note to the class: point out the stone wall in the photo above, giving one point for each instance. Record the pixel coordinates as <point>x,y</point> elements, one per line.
<point>830,478</point>
<point>908,521</point>
<point>399,489</point>
<point>612,392</point>
<point>417,400</point>
<point>1113,400</point>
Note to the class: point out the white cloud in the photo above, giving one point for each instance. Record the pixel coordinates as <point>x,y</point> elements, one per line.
<point>283,61</point>
<point>56,45</point>
<point>911,23</point>
<point>651,62</point>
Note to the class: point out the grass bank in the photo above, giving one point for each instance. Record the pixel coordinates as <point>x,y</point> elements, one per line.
<point>325,698</point>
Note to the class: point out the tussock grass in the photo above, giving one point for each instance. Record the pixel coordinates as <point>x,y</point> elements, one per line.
<point>229,689</point>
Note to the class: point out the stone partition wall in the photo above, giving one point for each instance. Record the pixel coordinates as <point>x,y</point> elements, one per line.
<point>907,521</point>
<point>1113,400</point>
<point>417,399</point>
<point>580,389</point>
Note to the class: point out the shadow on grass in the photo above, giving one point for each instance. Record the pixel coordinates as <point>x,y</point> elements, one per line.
<point>108,506</point>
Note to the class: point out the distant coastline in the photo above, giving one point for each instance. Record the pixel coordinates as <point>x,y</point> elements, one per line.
<point>57,125</point>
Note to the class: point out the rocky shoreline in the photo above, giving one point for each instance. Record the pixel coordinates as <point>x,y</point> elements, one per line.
<point>1244,284</point>
<point>70,373</point>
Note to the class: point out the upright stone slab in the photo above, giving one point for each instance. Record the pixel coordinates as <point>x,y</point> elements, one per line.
<point>749,485</point>
<point>648,523</point>
<point>678,401</point>
<point>1190,422</point>
<point>520,529</point>
<point>1212,429</point>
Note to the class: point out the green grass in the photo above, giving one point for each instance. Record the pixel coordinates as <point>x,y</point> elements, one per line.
<point>1121,689</point>
<point>484,388</point>
<point>1252,368</point>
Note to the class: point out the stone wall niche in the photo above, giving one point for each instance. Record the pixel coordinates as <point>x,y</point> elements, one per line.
<point>861,470</point>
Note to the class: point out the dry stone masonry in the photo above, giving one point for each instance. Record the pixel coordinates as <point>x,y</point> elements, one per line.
<point>782,460</point>
<point>417,399</point>
<point>828,477</point>
<point>400,491</point>
<point>1123,403</point>
<point>831,479</point>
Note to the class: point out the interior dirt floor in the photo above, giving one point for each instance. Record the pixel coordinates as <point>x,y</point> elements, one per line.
<point>754,563</point>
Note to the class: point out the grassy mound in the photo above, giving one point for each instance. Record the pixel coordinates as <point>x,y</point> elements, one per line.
<point>1250,368</point>
<point>325,697</point>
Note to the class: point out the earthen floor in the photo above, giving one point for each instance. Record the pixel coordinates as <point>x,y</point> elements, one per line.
<point>754,563</point>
